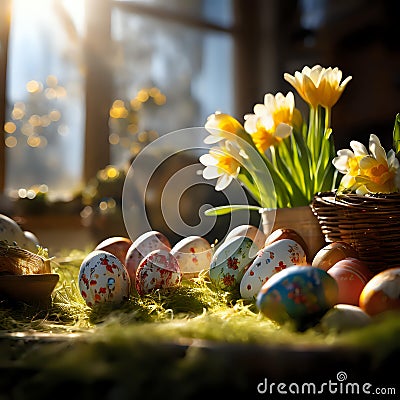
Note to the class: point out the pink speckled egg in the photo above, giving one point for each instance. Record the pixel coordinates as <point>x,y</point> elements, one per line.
<point>103,279</point>
<point>157,270</point>
<point>117,245</point>
<point>193,254</point>
<point>143,245</point>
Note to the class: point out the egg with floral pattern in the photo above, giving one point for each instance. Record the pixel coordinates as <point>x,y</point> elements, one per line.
<point>141,246</point>
<point>230,261</point>
<point>117,245</point>
<point>158,270</point>
<point>300,294</point>
<point>103,279</point>
<point>193,254</point>
<point>272,258</point>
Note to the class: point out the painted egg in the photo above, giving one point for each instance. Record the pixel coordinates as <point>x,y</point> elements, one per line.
<point>288,233</point>
<point>250,231</point>
<point>141,246</point>
<point>333,252</point>
<point>351,276</point>
<point>193,254</point>
<point>344,317</point>
<point>230,261</point>
<point>269,260</point>
<point>117,245</point>
<point>382,292</point>
<point>12,233</point>
<point>103,279</point>
<point>300,294</point>
<point>157,270</point>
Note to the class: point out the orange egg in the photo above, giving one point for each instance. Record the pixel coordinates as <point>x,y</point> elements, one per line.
<point>332,253</point>
<point>382,292</point>
<point>117,245</point>
<point>351,276</point>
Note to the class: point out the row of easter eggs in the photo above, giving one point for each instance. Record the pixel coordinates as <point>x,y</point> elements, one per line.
<point>248,261</point>
<point>117,266</point>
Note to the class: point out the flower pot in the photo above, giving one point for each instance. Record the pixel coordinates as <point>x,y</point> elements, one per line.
<point>300,219</point>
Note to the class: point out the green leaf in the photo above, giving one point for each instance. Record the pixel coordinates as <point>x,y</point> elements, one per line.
<point>396,135</point>
<point>221,210</point>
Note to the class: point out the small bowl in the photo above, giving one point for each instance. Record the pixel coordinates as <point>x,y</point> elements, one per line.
<point>35,288</point>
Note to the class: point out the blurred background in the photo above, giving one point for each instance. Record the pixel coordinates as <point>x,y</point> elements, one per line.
<point>85,85</point>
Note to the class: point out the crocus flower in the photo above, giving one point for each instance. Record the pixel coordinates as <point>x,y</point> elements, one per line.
<point>272,121</point>
<point>221,126</point>
<point>318,85</point>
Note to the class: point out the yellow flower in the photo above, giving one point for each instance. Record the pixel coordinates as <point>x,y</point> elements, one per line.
<point>374,172</point>
<point>272,121</point>
<point>218,124</point>
<point>379,172</point>
<point>318,85</point>
<point>222,162</point>
<point>347,162</point>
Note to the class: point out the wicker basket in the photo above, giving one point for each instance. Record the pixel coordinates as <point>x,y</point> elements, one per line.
<point>370,223</point>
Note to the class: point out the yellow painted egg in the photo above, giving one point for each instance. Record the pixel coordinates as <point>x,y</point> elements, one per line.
<point>382,292</point>
<point>193,254</point>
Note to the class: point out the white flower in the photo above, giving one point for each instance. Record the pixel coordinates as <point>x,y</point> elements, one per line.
<point>222,162</point>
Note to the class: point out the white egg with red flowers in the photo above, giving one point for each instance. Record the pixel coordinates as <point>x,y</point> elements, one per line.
<point>193,254</point>
<point>103,279</point>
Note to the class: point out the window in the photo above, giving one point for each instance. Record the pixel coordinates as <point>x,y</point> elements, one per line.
<point>89,83</point>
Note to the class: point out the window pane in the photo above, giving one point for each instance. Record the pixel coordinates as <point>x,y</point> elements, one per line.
<point>167,76</point>
<point>45,103</point>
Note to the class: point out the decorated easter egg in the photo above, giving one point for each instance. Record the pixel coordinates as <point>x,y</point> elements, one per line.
<point>382,292</point>
<point>230,261</point>
<point>351,276</point>
<point>250,231</point>
<point>117,245</point>
<point>300,294</point>
<point>141,246</point>
<point>12,233</point>
<point>333,252</point>
<point>287,233</point>
<point>344,317</point>
<point>103,279</point>
<point>158,270</point>
<point>193,254</point>
<point>271,259</point>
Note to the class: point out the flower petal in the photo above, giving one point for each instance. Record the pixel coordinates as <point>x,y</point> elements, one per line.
<point>208,159</point>
<point>223,182</point>
<point>211,172</point>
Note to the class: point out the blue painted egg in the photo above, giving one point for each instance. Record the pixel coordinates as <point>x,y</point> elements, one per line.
<point>229,262</point>
<point>299,294</point>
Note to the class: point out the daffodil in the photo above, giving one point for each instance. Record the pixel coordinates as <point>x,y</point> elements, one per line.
<point>318,85</point>
<point>368,172</point>
<point>222,162</point>
<point>272,121</point>
<point>221,126</point>
<point>347,162</point>
<point>379,172</point>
